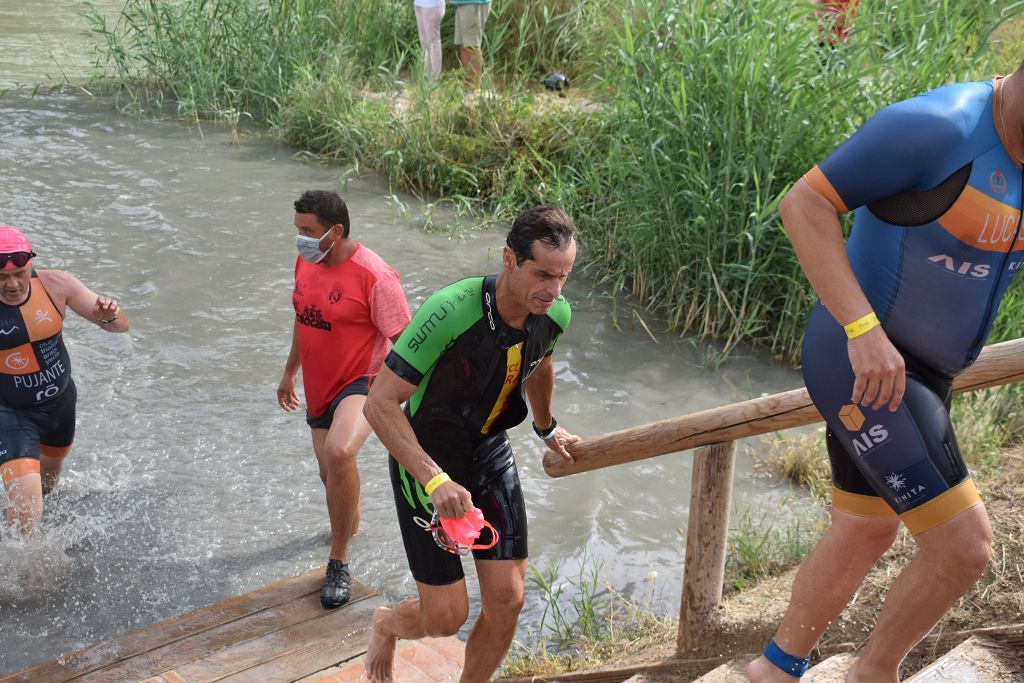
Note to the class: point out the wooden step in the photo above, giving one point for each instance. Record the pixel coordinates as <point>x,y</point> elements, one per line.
<point>145,639</point>
<point>417,661</point>
<point>325,637</point>
<point>973,661</point>
<point>831,670</point>
<point>733,671</point>
<point>275,633</point>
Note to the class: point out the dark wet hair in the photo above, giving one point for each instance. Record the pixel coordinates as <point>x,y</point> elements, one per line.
<point>327,206</point>
<point>547,224</point>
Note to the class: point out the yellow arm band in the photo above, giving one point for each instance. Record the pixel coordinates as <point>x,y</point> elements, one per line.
<point>435,482</point>
<point>859,327</point>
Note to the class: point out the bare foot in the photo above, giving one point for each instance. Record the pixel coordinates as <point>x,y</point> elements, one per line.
<point>380,653</point>
<point>762,671</point>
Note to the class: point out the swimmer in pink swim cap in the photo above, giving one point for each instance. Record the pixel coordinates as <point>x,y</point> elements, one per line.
<point>37,394</point>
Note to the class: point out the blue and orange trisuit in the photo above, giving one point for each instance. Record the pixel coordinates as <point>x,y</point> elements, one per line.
<point>936,241</point>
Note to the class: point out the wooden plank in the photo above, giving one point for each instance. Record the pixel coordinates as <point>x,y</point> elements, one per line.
<point>174,655</point>
<point>617,674</point>
<point>832,670</point>
<point>436,665</point>
<point>728,423</point>
<point>293,653</point>
<point>734,671</point>
<point>142,640</point>
<point>998,364</point>
<point>972,661</point>
<point>706,540</point>
<point>440,658</point>
<point>1011,635</point>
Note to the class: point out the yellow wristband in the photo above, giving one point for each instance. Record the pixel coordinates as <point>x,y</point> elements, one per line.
<point>859,327</point>
<point>435,482</point>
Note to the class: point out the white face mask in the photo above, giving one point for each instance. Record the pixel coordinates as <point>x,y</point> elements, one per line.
<point>309,247</point>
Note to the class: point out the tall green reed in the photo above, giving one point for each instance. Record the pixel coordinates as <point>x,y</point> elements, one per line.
<point>722,104</point>
<point>524,39</point>
<point>217,56</point>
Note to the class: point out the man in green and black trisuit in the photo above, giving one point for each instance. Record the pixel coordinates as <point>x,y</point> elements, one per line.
<point>463,364</point>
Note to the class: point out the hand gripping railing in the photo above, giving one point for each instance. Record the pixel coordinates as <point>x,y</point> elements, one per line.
<point>713,433</point>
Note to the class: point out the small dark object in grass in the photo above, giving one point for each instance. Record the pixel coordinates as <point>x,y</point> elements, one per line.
<point>556,80</point>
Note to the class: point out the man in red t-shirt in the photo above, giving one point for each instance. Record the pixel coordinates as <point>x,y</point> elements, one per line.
<point>348,305</point>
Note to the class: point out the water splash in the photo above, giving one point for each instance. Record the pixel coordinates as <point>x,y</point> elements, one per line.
<point>33,568</point>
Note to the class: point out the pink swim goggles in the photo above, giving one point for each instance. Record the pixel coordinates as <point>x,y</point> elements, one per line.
<point>457,536</point>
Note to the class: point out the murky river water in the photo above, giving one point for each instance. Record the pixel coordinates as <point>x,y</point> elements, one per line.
<point>187,483</point>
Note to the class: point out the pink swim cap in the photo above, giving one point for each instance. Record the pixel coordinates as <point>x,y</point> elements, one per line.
<point>466,530</point>
<point>13,240</point>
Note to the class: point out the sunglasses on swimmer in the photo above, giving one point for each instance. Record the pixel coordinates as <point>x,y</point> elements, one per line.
<point>18,258</point>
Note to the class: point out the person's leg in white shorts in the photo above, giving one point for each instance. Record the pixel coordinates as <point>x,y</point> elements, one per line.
<point>428,20</point>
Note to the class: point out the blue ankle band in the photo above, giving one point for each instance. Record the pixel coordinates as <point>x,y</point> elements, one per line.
<point>794,666</point>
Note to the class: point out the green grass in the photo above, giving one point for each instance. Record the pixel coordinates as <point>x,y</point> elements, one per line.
<point>798,459</point>
<point>987,423</point>
<point>764,545</point>
<point>585,622</point>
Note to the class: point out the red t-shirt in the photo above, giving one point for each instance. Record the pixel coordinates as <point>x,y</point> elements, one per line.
<point>840,14</point>
<point>345,315</point>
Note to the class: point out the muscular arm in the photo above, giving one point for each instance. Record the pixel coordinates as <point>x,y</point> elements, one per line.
<point>539,388</point>
<point>812,225</point>
<point>383,410</point>
<point>68,290</point>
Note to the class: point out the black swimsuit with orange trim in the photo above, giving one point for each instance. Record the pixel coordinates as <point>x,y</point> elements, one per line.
<point>37,395</point>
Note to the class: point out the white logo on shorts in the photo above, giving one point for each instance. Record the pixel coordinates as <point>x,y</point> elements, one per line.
<point>895,481</point>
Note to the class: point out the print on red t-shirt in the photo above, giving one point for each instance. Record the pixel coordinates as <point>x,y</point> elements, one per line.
<point>345,315</point>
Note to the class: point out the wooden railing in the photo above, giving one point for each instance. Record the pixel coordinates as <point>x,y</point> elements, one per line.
<point>713,433</point>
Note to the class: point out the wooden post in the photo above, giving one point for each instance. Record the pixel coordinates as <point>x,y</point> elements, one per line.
<point>706,539</point>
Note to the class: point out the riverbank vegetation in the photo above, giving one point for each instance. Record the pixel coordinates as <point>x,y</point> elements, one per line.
<point>684,125</point>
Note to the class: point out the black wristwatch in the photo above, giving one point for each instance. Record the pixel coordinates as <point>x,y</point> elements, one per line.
<point>543,434</point>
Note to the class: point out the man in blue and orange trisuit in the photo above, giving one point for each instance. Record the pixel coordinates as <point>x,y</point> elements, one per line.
<point>37,394</point>
<point>474,354</point>
<point>905,305</point>
<point>348,304</point>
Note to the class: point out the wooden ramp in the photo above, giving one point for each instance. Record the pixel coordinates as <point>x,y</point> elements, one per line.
<point>275,633</point>
<point>973,661</point>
